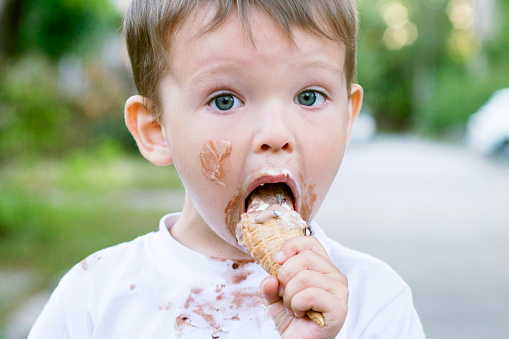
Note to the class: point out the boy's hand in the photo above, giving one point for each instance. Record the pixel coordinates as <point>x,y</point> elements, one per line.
<point>307,280</point>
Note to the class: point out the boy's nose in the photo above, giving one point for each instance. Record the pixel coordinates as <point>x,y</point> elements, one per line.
<point>274,134</point>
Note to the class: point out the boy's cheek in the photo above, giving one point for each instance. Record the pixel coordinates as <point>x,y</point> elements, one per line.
<point>233,212</point>
<point>213,158</point>
<point>209,185</point>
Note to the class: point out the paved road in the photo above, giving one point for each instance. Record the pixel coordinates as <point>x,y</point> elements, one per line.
<point>438,215</point>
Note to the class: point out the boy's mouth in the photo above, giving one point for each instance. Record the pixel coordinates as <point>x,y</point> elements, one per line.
<point>269,187</point>
<point>264,187</point>
<point>278,193</point>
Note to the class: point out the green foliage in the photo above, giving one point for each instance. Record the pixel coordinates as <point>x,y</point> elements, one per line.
<point>33,115</point>
<point>456,98</point>
<point>49,234</point>
<point>424,86</point>
<point>56,27</point>
<point>53,213</point>
<point>18,209</point>
<point>68,186</point>
<point>38,114</point>
<point>98,170</point>
<point>388,75</point>
<point>107,168</point>
<point>38,119</point>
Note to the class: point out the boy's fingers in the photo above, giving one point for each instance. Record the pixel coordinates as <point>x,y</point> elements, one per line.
<point>309,261</point>
<point>319,300</point>
<point>280,314</point>
<point>270,289</point>
<point>304,280</point>
<point>307,300</point>
<point>299,244</point>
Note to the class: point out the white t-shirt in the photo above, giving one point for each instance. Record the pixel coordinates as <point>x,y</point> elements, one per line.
<point>154,287</point>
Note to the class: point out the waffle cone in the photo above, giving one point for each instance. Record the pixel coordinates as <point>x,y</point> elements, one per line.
<point>264,241</point>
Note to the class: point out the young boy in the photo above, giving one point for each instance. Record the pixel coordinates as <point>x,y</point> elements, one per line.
<point>236,94</point>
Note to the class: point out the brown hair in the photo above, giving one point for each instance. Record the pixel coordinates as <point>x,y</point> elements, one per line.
<point>149,25</point>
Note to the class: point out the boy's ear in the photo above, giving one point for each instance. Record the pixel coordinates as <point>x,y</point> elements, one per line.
<point>147,131</point>
<point>354,107</point>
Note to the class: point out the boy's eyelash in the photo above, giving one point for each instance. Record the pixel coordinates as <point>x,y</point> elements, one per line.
<point>323,93</point>
<point>223,93</point>
<point>230,105</point>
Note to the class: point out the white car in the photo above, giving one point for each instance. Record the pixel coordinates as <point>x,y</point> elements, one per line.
<point>488,129</point>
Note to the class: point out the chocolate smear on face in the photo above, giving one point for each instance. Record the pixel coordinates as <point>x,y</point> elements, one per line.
<point>232,213</point>
<point>308,201</point>
<point>212,158</point>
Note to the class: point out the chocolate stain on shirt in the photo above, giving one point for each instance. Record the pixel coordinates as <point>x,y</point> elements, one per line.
<point>190,299</point>
<point>181,322</point>
<point>212,156</point>
<point>240,276</point>
<point>209,311</point>
<point>219,288</point>
<point>245,298</point>
<point>165,307</point>
<point>91,259</point>
<point>235,271</point>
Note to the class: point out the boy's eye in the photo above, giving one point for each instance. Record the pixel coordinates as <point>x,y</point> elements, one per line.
<point>309,98</point>
<point>225,102</point>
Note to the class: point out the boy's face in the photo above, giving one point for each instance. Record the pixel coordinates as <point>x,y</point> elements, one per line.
<point>238,113</point>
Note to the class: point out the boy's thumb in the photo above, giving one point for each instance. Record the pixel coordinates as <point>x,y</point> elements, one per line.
<point>270,289</point>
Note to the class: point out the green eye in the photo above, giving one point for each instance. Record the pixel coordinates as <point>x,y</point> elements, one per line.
<point>225,102</point>
<point>309,98</point>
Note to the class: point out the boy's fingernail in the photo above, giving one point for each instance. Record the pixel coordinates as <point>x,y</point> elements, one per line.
<point>280,291</point>
<point>290,312</point>
<point>280,257</point>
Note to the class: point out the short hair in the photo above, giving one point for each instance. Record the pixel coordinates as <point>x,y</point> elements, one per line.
<point>150,24</point>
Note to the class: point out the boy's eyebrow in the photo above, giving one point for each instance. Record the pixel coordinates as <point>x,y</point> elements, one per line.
<point>211,71</point>
<point>328,67</point>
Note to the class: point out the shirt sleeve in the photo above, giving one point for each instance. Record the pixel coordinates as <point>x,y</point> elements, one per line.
<point>397,319</point>
<point>65,315</point>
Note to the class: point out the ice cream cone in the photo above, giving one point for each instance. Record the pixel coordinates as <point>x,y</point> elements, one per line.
<point>264,241</point>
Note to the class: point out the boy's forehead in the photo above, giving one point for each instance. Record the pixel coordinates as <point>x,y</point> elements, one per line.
<point>204,19</point>
<point>263,37</point>
<point>201,22</point>
<point>204,22</point>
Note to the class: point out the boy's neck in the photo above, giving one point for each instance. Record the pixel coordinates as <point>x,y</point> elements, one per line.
<point>193,232</point>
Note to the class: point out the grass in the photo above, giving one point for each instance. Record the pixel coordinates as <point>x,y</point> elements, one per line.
<point>55,212</point>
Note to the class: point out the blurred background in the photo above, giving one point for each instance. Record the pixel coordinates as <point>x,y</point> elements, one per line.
<point>424,185</point>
